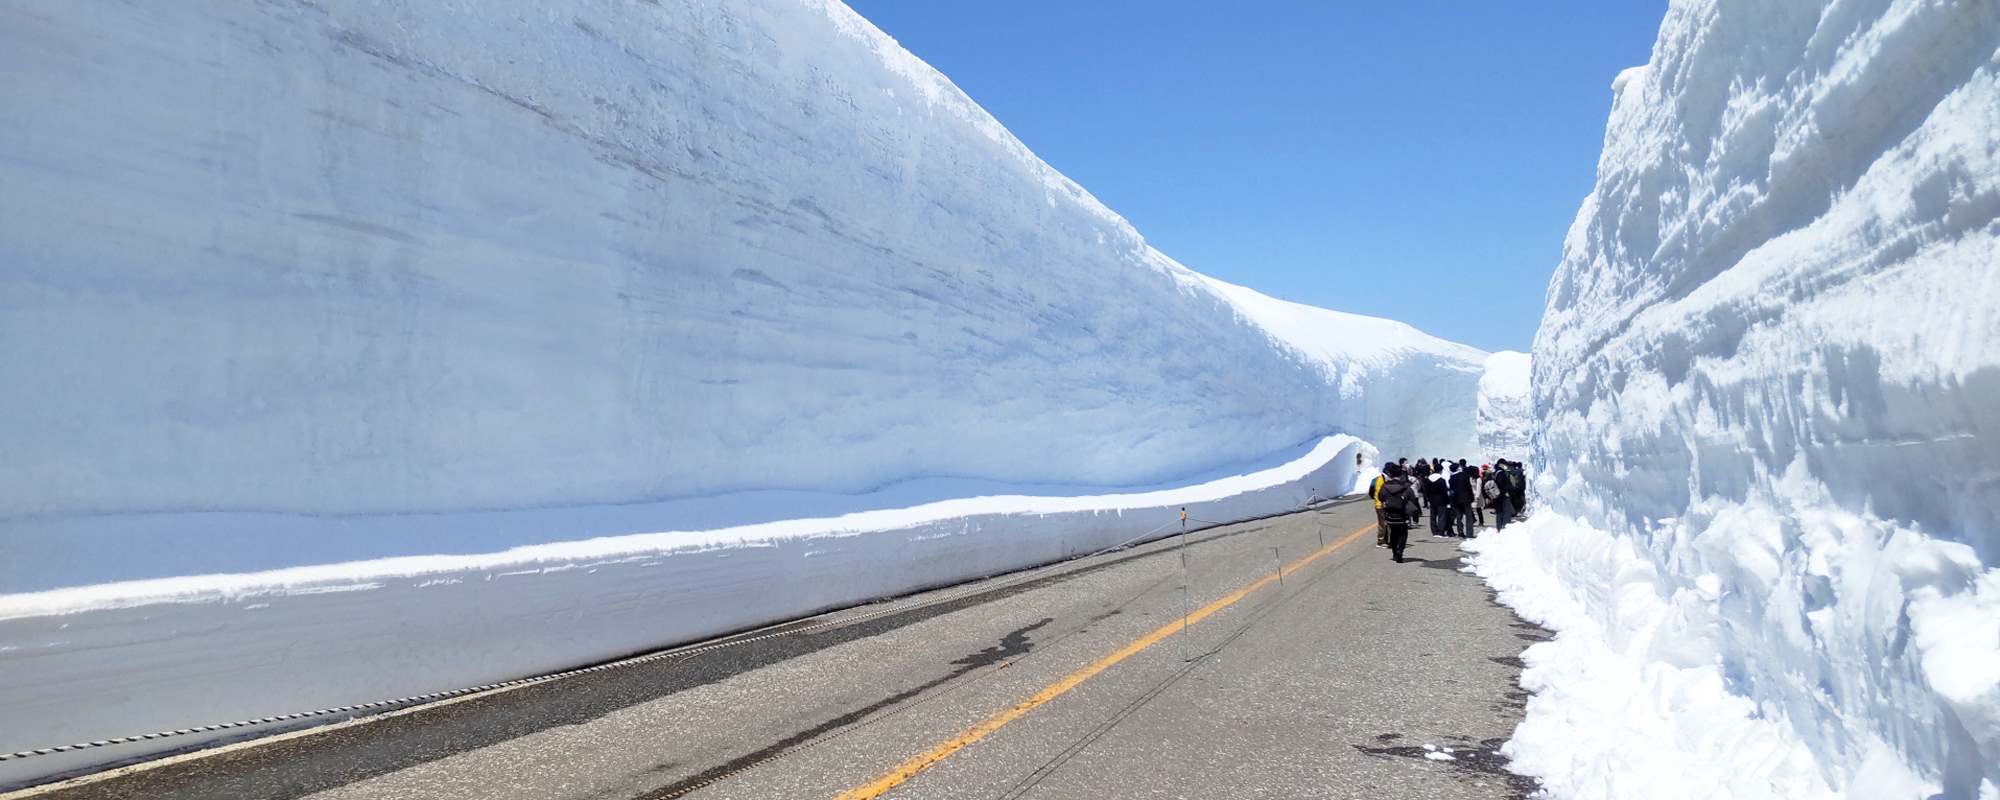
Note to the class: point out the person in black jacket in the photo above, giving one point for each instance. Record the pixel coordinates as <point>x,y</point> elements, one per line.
<point>1493,491</point>
<point>1517,488</point>
<point>1437,498</point>
<point>1461,501</point>
<point>1399,509</point>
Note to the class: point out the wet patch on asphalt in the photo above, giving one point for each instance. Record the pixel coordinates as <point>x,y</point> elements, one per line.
<point>1466,759</point>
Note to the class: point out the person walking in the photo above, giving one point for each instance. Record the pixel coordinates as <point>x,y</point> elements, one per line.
<point>1517,488</point>
<point>1431,484</point>
<point>1478,500</point>
<point>1375,494</point>
<point>1415,475</point>
<point>1462,501</point>
<point>1399,510</point>
<point>1442,477</point>
<point>1496,496</point>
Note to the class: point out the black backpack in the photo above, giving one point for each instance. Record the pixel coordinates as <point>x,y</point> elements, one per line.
<point>1399,502</point>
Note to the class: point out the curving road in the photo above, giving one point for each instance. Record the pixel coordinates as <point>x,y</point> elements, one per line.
<point>1073,681</point>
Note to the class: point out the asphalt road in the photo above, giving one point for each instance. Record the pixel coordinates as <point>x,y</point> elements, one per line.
<point>1074,681</point>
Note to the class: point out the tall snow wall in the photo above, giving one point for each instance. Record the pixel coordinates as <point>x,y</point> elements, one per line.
<point>1412,394</point>
<point>298,297</point>
<point>347,257</point>
<point>1768,378</point>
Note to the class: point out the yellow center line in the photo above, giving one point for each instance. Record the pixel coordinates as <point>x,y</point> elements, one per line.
<point>929,758</point>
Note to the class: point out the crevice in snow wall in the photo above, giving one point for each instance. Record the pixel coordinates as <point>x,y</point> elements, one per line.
<point>1769,367</point>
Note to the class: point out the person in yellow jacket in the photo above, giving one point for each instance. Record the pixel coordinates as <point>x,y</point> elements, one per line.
<point>1375,494</point>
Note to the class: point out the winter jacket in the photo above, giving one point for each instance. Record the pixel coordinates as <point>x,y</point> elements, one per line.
<point>1461,488</point>
<point>1375,490</point>
<point>1399,502</point>
<point>1436,492</point>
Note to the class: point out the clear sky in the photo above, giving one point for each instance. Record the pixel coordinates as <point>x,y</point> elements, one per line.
<point>1414,159</point>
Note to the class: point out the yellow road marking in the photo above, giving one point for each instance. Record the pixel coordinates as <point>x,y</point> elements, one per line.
<point>917,764</point>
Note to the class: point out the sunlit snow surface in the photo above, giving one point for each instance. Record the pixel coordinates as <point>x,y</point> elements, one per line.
<point>1409,393</point>
<point>1505,417</point>
<point>341,258</point>
<point>1769,456</point>
<point>386,305</point>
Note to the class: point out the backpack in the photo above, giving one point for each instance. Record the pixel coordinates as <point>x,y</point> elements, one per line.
<point>1399,503</point>
<point>1491,488</point>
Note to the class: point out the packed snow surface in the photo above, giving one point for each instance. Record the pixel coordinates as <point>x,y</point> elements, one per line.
<point>1769,446</point>
<point>1505,418</point>
<point>341,292</point>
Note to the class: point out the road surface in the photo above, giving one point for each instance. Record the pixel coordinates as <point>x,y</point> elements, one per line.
<point>1072,681</point>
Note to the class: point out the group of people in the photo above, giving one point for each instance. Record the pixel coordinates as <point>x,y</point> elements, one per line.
<point>1455,495</point>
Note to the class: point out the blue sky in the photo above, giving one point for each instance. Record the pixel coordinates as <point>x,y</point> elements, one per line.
<point>1417,160</point>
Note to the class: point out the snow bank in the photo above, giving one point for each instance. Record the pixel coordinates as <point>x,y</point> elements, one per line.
<point>1768,445</point>
<point>1506,407</point>
<point>85,663</point>
<point>1628,700</point>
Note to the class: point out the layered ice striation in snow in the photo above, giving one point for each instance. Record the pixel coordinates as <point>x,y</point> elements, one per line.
<point>1505,415</point>
<point>1770,441</point>
<point>346,258</point>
